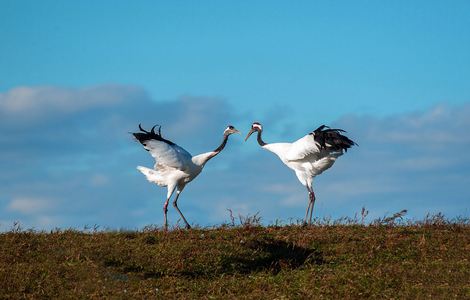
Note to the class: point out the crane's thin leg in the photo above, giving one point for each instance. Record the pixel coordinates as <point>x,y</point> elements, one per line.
<point>308,207</point>
<point>306,212</point>
<point>312,202</point>
<point>171,189</point>
<point>165,212</point>
<point>175,204</point>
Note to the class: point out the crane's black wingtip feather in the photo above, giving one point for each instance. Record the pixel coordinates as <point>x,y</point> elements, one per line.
<point>145,135</point>
<point>141,129</point>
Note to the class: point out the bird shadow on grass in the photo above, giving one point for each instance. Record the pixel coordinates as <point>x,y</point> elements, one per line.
<point>254,255</point>
<point>272,256</point>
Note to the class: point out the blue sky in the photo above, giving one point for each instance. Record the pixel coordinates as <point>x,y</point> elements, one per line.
<point>76,77</point>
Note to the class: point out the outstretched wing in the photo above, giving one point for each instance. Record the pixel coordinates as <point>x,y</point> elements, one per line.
<point>165,152</point>
<point>321,139</point>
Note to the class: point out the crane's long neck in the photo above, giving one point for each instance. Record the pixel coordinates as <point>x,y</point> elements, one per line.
<point>260,139</point>
<point>221,146</point>
<point>201,159</point>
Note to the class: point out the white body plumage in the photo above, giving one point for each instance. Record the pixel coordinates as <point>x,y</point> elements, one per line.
<point>304,157</point>
<point>309,156</point>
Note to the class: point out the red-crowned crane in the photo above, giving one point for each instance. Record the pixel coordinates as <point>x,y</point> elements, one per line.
<point>309,156</point>
<point>174,166</point>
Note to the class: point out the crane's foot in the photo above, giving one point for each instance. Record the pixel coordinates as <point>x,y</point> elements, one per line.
<point>188,226</point>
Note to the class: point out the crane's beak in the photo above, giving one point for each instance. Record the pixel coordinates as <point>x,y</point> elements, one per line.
<point>249,133</point>
<point>236,131</point>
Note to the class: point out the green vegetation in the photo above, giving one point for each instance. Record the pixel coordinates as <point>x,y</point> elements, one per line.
<point>428,259</point>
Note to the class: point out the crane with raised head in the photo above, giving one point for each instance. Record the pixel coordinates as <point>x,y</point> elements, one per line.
<point>174,167</point>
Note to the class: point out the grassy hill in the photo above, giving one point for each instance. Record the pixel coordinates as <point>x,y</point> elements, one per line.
<point>421,260</point>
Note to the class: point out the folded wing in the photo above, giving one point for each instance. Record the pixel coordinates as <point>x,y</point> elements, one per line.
<point>321,140</point>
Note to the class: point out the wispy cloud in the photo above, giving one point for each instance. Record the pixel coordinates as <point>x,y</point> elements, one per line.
<point>78,160</point>
<point>416,161</point>
<point>98,180</point>
<point>31,205</point>
<point>32,103</point>
<point>84,156</point>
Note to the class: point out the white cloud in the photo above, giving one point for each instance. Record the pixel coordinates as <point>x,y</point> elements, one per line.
<point>45,221</point>
<point>88,157</point>
<point>296,199</point>
<point>279,188</point>
<point>31,205</point>
<point>44,101</point>
<point>354,187</point>
<point>426,163</point>
<point>98,180</point>
<point>85,154</point>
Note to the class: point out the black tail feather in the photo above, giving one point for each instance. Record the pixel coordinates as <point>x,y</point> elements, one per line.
<point>332,138</point>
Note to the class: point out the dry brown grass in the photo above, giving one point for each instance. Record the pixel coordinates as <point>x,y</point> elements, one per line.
<point>421,260</point>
